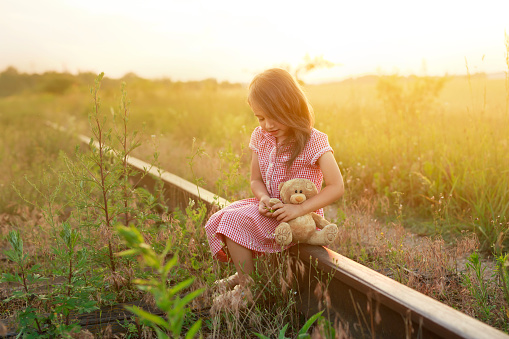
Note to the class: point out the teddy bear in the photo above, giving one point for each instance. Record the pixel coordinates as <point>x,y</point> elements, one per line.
<point>302,229</point>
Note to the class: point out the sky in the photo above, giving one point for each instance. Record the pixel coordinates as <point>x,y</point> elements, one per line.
<point>234,40</point>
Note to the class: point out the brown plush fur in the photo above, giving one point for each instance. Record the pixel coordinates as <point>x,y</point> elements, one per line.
<point>304,228</point>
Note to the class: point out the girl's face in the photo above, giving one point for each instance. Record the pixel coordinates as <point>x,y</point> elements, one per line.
<point>278,130</point>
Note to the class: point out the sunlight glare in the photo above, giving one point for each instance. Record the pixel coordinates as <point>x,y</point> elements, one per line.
<point>233,40</point>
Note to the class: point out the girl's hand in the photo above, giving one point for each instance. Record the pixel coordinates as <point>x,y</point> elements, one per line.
<point>264,207</point>
<point>287,212</point>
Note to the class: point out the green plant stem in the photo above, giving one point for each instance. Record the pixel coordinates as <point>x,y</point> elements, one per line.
<point>69,281</point>
<point>102,161</point>
<point>124,160</point>
<point>25,286</point>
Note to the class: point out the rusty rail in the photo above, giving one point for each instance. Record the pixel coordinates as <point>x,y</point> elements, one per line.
<point>379,307</point>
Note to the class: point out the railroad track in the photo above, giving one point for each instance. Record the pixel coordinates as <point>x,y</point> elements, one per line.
<point>366,302</point>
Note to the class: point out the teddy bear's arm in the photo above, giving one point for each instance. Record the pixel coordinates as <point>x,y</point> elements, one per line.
<point>320,221</point>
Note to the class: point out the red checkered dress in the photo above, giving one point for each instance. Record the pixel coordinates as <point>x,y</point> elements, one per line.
<point>241,221</point>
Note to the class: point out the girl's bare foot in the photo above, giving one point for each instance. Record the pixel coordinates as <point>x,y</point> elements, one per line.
<point>227,283</point>
<point>235,300</point>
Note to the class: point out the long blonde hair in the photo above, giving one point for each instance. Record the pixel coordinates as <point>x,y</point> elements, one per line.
<point>281,98</point>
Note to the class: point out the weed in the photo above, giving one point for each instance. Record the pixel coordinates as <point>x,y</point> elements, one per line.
<point>302,332</point>
<point>74,264</point>
<point>503,275</point>
<point>196,152</point>
<point>229,183</point>
<point>30,320</point>
<point>478,286</point>
<point>166,298</point>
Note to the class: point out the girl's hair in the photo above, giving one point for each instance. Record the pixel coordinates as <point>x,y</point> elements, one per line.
<point>281,98</point>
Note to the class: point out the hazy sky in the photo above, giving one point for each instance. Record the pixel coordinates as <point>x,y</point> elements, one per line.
<point>233,40</point>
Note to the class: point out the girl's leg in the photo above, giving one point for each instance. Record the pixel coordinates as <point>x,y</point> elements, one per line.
<point>240,297</point>
<point>242,258</point>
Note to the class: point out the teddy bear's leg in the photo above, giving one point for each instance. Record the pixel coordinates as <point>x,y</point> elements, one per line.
<point>324,237</point>
<point>330,233</point>
<point>283,234</point>
<point>320,221</point>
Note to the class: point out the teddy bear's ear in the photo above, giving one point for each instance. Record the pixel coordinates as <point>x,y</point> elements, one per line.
<point>282,190</point>
<point>310,186</point>
<point>280,187</point>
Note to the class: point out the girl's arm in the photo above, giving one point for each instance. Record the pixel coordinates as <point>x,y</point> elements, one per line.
<point>333,190</point>
<point>258,187</point>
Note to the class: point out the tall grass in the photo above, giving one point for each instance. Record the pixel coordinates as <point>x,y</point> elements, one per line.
<point>27,147</point>
<point>408,145</point>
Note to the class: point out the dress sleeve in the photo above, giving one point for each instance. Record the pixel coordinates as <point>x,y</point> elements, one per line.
<point>319,144</point>
<point>255,139</point>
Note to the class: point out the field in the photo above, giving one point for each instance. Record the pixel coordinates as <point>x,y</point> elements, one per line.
<point>420,155</point>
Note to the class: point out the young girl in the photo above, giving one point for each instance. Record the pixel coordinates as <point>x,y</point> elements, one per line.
<point>284,146</point>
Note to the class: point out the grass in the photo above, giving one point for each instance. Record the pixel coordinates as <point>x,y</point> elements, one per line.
<point>415,155</point>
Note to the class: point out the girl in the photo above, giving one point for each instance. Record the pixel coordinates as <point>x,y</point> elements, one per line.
<point>285,146</point>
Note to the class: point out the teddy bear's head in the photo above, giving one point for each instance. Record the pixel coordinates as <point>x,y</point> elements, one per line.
<point>296,191</point>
